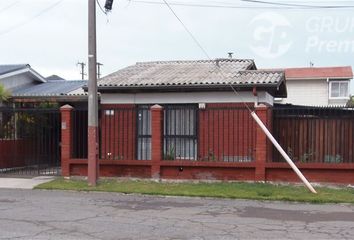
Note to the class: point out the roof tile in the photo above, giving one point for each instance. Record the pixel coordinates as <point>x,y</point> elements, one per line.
<point>191,73</point>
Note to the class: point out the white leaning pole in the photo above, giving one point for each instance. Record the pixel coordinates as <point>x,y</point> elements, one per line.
<point>282,152</point>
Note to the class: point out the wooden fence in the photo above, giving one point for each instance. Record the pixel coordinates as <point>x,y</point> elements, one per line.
<point>314,134</point>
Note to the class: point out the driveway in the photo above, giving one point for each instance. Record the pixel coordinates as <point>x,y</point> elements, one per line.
<point>36,214</point>
<point>24,183</point>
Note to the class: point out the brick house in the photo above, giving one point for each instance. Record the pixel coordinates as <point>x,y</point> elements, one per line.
<point>181,112</point>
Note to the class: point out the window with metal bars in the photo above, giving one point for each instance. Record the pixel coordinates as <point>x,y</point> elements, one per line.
<point>144,133</point>
<point>180,132</point>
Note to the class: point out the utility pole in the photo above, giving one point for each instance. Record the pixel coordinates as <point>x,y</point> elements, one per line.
<point>99,70</point>
<point>82,64</point>
<point>93,166</point>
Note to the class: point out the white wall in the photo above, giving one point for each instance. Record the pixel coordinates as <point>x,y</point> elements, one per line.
<point>307,92</point>
<point>187,97</point>
<point>310,93</point>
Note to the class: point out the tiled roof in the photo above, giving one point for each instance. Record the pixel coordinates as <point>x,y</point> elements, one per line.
<point>175,73</point>
<point>50,88</point>
<point>319,72</point>
<point>12,67</point>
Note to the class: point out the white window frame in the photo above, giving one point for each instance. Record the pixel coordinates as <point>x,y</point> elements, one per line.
<point>340,82</point>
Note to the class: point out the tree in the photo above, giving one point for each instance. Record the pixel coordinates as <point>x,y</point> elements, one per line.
<point>350,103</point>
<point>4,94</point>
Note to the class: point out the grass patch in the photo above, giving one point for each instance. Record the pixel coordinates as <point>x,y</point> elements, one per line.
<point>239,190</point>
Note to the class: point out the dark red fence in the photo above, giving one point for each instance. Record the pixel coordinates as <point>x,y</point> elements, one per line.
<point>226,134</point>
<point>218,133</point>
<point>314,134</point>
<point>29,141</point>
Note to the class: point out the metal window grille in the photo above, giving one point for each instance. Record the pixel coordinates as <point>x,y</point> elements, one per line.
<point>180,132</point>
<point>143,133</point>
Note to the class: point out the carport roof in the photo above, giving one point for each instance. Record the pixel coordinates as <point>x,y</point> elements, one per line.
<point>50,88</point>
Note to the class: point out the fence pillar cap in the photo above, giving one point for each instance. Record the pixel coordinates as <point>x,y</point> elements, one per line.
<point>157,107</point>
<point>261,106</point>
<point>66,107</point>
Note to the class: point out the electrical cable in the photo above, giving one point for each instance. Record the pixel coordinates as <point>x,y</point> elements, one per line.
<point>9,6</point>
<point>276,5</point>
<point>297,5</point>
<point>31,19</point>
<point>99,5</point>
<point>206,54</point>
<point>189,32</point>
<point>206,5</point>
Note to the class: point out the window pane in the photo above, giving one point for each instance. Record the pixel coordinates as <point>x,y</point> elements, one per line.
<point>144,122</point>
<point>344,89</point>
<point>180,133</point>
<point>144,148</point>
<point>144,134</point>
<point>334,89</point>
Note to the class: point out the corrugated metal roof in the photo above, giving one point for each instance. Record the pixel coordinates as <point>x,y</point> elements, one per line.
<point>50,88</point>
<point>12,67</point>
<point>202,72</point>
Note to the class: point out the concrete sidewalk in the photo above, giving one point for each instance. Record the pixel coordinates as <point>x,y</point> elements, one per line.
<point>24,183</point>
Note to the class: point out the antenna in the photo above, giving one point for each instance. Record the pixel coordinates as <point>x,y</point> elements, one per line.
<point>83,74</point>
<point>99,69</point>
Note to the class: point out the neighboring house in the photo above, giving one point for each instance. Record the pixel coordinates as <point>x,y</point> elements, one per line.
<point>17,76</point>
<point>318,86</point>
<point>58,90</point>
<point>28,87</point>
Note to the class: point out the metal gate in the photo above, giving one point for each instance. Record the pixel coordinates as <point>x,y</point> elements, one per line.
<point>29,142</point>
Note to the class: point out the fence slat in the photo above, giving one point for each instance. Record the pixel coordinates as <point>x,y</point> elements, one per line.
<point>310,134</point>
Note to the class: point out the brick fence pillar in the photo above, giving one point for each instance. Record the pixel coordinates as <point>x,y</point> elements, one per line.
<point>65,139</point>
<point>261,144</point>
<point>156,140</point>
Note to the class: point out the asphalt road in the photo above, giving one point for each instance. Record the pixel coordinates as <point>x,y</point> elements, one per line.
<point>35,214</point>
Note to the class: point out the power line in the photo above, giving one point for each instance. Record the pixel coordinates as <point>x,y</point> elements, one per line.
<point>185,27</point>
<point>206,54</point>
<point>101,8</point>
<point>275,5</point>
<point>297,5</point>
<point>9,6</point>
<point>31,19</point>
<point>205,5</point>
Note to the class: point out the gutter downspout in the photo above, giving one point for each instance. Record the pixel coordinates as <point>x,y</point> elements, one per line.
<point>255,94</point>
<point>328,92</point>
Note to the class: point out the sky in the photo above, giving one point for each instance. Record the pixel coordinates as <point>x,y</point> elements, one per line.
<point>51,35</point>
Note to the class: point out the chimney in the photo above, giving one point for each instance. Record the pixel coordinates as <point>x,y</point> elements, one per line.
<point>217,62</point>
<point>230,54</point>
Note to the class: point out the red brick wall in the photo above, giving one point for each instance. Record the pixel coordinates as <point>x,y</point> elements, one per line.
<point>118,132</point>
<point>112,170</point>
<point>313,175</point>
<point>225,132</point>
